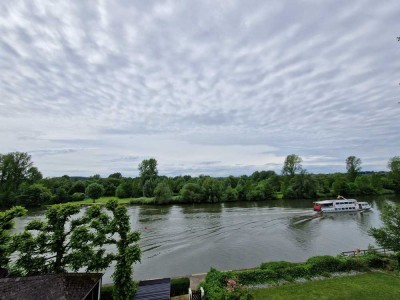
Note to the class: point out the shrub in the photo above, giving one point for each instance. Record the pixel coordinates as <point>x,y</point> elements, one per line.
<point>256,276</point>
<point>179,286</point>
<point>325,263</point>
<point>354,263</point>
<point>376,261</point>
<point>106,292</point>
<point>77,197</point>
<point>124,190</point>
<point>277,265</point>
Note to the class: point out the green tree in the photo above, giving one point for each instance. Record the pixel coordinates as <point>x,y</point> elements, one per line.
<point>77,187</point>
<point>148,187</point>
<point>230,194</point>
<point>94,191</point>
<point>303,186</point>
<point>6,224</point>
<point>388,236</point>
<point>394,167</point>
<point>128,250</point>
<point>353,166</point>
<point>33,195</point>
<point>162,193</point>
<point>148,169</point>
<point>340,186</point>
<point>124,190</point>
<point>62,242</point>
<point>212,190</point>
<point>15,168</point>
<point>292,165</point>
<point>191,192</point>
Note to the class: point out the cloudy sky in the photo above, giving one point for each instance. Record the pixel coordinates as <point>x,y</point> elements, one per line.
<point>205,87</point>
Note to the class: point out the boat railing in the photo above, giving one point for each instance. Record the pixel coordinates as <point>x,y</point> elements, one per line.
<point>366,251</point>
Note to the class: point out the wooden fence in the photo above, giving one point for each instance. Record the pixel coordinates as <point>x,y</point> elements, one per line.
<point>363,252</point>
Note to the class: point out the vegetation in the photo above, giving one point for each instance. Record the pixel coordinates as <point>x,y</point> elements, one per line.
<point>388,236</point>
<point>22,184</point>
<point>128,251</point>
<point>179,286</point>
<point>232,284</point>
<point>362,286</point>
<point>6,224</point>
<point>62,242</point>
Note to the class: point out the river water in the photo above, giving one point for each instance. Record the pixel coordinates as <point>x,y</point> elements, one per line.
<point>180,240</point>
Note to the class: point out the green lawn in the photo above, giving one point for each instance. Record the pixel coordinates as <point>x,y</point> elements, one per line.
<point>365,286</point>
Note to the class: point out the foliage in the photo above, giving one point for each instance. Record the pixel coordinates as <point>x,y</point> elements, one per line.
<point>77,187</point>
<point>394,166</point>
<point>77,197</point>
<point>162,193</point>
<point>149,187</point>
<point>62,242</point>
<point>128,251</point>
<point>15,169</point>
<point>292,165</point>
<point>353,166</point>
<point>33,195</point>
<point>302,186</point>
<point>191,192</point>
<point>148,169</point>
<point>124,190</point>
<point>6,224</point>
<point>212,190</point>
<point>388,236</point>
<point>325,263</point>
<point>179,286</point>
<point>94,191</point>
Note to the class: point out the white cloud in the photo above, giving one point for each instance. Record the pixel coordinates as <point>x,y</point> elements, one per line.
<point>199,81</point>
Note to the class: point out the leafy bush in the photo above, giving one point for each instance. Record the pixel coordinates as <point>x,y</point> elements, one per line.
<point>375,261</point>
<point>256,276</point>
<point>180,286</point>
<point>325,263</point>
<point>77,197</point>
<point>354,263</point>
<point>277,265</point>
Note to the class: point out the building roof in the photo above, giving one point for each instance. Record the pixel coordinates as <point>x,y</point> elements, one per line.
<point>48,287</point>
<point>159,289</point>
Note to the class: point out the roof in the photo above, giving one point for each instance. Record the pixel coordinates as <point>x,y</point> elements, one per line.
<point>159,289</point>
<point>334,200</point>
<point>55,286</point>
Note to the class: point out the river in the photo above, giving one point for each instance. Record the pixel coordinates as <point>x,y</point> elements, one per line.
<point>180,240</point>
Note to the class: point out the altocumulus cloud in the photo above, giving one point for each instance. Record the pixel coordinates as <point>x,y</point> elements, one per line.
<point>96,85</point>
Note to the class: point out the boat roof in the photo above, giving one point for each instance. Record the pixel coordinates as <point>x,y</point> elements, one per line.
<point>334,200</point>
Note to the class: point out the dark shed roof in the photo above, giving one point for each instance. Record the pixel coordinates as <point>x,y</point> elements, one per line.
<point>48,287</point>
<point>159,289</point>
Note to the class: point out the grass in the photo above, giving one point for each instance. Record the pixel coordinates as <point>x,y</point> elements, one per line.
<point>366,286</point>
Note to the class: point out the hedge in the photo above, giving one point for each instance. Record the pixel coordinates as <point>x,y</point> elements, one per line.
<point>180,286</point>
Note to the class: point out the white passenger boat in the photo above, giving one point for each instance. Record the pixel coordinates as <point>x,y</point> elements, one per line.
<point>340,204</point>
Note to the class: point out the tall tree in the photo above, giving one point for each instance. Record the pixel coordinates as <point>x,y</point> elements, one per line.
<point>128,250</point>
<point>292,165</point>
<point>15,168</point>
<point>394,167</point>
<point>148,169</point>
<point>388,236</point>
<point>6,224</point>
<point>353,166</point>
<point>64,241</point>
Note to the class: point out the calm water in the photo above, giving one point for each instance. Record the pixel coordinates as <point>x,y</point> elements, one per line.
<point>187,239</point>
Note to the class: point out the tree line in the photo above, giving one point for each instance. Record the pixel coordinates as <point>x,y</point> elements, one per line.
<point>21,183</point>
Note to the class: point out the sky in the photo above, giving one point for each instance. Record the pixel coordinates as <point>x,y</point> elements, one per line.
<point>205,87</point>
